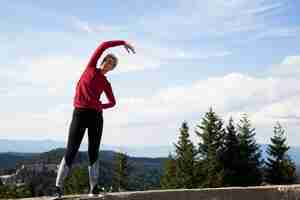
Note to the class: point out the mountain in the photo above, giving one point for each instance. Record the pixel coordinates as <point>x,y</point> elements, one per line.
<point>39,146</point>
<point>37,170</point>
<point>9,160</point>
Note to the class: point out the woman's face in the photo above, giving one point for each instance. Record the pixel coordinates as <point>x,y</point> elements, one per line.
<point>108,64</point>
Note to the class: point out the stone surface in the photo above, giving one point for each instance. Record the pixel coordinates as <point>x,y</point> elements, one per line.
<point>279,192</point>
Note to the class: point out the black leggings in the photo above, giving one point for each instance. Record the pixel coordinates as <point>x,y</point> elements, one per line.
<point>84,118</point>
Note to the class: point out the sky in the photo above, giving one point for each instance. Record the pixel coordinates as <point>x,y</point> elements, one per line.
<point>236,56</point>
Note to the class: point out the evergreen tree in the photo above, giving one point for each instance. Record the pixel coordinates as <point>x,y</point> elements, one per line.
<point>169,178</point>
<point>230,156</point>
<point>78,180</point>
<point>121,173</point>
<point>14,191</point>
<point>250,162</point>
<point>280,169</point>
<point>211,135</point>
<point>185,159</point>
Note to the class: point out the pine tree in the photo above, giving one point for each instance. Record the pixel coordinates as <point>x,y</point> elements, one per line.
<point>185,159</point>
<point>230,156</point>
<point>120,178</point>
<point>78,181</point>
<point>169,178</point>
<point>280,169</point>
<point>250,163</point>
<point>211,135</point>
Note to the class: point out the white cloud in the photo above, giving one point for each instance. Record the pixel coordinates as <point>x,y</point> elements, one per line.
<point>199,20</point>
<point>291,60</point>
<point>52,69</point>
<point>153,56</point>
<point>265,8</point>
<point>149,55</point>
<point>134,116</point>
<point>233,92</point>
<point>194,19</point>
<point>265,99</point>
<point>290,67</point>
<point>45,75</point>
<point>278,32</point>
<point>87,27</point>
<point>53,77</point>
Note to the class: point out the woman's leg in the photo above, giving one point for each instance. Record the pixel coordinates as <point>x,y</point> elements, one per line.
<point>94,136</point>
<point>76,133</point>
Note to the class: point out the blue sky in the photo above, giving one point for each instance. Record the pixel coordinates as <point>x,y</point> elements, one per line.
<point>238,56</point>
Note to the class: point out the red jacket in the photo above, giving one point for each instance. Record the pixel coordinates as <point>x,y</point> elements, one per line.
<point>92,83</point>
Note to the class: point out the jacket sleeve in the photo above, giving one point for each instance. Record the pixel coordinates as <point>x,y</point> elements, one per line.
<point>100,49</point>
<point>110,96</point>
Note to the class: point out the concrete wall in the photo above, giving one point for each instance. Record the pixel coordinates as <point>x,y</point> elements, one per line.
<point>291,192</point>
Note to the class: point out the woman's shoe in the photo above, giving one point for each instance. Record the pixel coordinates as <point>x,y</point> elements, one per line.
<point>58,193</point>
<point>96,192</point>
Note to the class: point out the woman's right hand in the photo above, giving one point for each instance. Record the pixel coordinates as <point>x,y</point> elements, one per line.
<point>129,47</point>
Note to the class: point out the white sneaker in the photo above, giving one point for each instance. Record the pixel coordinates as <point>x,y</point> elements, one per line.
<point>96,195</point>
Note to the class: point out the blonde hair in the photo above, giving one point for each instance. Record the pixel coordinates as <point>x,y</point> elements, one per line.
<point>110,55</point>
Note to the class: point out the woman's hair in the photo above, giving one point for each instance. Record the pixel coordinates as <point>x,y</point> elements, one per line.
<point>110,55</point>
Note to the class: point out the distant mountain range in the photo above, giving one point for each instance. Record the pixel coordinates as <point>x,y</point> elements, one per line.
<point>39,146</point>
<point>38,169</point>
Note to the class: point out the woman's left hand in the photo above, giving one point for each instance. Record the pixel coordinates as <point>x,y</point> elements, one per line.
<point>129,47</point>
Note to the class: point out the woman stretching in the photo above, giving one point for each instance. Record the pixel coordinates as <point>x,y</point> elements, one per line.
<point>87,114</point>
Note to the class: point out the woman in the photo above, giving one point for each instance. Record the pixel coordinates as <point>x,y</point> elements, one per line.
<point>87,114</point>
